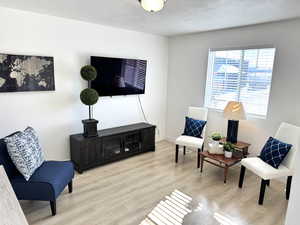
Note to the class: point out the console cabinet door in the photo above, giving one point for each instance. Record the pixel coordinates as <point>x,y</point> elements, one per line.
<point>132,142</point>
<point>148,139</point>
<point>91,152</point>
<point>112,147</point>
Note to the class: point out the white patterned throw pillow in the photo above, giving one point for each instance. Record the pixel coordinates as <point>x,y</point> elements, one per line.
<point>25,151</point>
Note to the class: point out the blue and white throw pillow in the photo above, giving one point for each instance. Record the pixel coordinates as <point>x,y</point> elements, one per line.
<point>25,151</point>
<point>274,152</point>
<point>193,127</point>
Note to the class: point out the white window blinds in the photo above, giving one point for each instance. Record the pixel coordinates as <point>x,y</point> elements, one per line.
<point>240,75</point>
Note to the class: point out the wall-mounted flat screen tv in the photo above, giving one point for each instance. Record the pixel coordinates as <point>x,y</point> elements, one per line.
<point>118,76</point>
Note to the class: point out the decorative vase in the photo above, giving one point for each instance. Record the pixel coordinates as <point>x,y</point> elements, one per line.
<point>215,148</point>
<point>228,154</point>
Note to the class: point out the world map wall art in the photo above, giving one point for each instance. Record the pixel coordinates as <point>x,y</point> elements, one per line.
<point>26,73</point>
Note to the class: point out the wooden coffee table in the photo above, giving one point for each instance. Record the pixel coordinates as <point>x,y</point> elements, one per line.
<point>219,161</point>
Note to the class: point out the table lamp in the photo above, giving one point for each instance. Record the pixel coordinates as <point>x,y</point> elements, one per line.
<point>234,111</point>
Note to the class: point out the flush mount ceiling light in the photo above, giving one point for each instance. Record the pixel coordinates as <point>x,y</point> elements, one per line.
<point>152,5</point>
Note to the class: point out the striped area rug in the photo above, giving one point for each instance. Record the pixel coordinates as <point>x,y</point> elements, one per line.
<point>170,211</point>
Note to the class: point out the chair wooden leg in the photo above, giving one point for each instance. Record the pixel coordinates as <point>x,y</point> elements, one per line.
<point>184,148</point>
<point>198,158</point>
<point>225,174</point>
<point>176,153</point>
<point>70,186</point>
<point>268,182</point>
<point>202,162</point>
<point>262,191</point>
<point>53,207</point>
<point>242,175</point>
<point>288,187</point>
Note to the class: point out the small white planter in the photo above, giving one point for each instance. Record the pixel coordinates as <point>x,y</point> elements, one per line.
<point>215,148</point>
<point>215,144</point>
<point>228,154</point>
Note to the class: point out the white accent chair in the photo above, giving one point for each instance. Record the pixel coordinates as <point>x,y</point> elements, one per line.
<point>289,134</point>
<point>197,113</point>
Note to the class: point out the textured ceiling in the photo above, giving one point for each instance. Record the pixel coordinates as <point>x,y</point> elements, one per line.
<point>178,16</point>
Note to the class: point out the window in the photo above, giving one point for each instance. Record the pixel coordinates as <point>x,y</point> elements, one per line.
<point>243,75</point>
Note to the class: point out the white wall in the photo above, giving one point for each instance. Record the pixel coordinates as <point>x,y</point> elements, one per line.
<point>56,115</point>
<point>187,76</point>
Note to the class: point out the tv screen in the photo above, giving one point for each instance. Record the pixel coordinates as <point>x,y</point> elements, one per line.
<point>119,76</point>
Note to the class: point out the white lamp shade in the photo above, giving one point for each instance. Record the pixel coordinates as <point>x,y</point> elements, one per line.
<point>153,5</point>
<point>234,111</point>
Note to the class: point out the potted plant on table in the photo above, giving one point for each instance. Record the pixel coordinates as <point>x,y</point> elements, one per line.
<point>228,149</point>
<point>214,146</point>
<point>216,137</point>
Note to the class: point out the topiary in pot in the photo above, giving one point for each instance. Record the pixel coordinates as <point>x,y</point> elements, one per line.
<point>89,97</point>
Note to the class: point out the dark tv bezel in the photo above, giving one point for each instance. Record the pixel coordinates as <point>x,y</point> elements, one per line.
<point>120,94</point>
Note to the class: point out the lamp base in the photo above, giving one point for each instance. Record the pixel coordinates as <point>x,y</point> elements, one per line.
<point>90,128</point>
<point>232,131</point>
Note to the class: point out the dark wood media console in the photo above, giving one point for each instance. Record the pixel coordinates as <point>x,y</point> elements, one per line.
<point>111,145</point>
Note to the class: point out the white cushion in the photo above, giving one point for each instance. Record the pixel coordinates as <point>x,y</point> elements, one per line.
<point>264,170</point>
<point>192,142</point>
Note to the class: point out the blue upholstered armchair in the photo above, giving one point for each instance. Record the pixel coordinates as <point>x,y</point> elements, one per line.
<point>47,182</point>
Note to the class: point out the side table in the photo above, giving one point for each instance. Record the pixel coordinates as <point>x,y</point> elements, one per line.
<point>219,161</point>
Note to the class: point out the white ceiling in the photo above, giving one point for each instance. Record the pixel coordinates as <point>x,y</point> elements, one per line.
<point>178,16</point>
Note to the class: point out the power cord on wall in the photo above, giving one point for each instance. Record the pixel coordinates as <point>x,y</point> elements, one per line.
<point>144,115</point>
<point>142,109</point>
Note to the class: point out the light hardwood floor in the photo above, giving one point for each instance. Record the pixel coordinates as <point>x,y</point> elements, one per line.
<point>123,193</point>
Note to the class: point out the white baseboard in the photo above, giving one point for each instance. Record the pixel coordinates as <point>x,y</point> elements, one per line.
<point>170,139</point>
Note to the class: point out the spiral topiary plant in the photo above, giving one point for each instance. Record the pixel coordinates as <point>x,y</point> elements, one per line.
<point>89,96</point>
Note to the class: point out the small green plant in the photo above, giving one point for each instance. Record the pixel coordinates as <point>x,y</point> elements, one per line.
<point>229,147</point>
<point>216,136</point>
